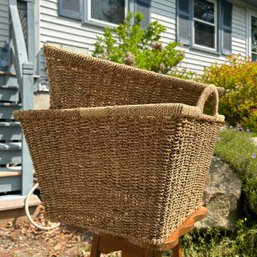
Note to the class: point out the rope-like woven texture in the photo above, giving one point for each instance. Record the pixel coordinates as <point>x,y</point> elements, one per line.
<point>78,80</point>
<point>134,162</point>
<point>134,176</point>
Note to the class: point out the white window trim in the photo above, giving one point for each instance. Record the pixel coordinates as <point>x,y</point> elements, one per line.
<point>215,25</point>
<point>250,13</point>
<point>88,19</point>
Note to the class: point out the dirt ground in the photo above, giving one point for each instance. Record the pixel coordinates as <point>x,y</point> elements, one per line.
<point>24,240</point>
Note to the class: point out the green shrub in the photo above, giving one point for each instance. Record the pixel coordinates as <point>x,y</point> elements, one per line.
<point>128,43</point>
<point>209,243</point>
<point>235,148</point>
<point>239,78</point>
<point>240,242</point>
<point>185,74</point>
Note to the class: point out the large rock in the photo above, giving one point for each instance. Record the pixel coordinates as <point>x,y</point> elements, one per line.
<point>221,196</point>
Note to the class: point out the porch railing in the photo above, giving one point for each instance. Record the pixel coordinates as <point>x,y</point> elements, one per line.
<point>24,67</point>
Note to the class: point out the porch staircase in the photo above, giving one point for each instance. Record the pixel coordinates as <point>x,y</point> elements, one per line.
<point>16,92</point>
<point>10,135</point>
<point>13,186</point>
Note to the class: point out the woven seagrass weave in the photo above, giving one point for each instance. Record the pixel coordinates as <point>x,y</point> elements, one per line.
<point>134,171</point>
<point>78,80</point>
<point>122,151</point>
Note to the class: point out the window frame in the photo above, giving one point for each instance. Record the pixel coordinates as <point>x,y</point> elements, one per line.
<point>215,25</point>
<point>250,13</point>
<point>88,19</point>
<point>251,43</point>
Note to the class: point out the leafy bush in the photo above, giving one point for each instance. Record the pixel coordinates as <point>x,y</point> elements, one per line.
<point>235,148</point>
<point>128,43</point>
<point>240,242</point>
<point>239,78</point>
<point>185,74</point>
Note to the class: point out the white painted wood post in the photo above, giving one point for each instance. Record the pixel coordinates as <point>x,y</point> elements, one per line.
<point>27,104</point>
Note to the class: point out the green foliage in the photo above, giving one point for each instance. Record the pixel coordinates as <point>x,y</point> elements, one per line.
<point>209,243</point>
<point>235,148</point>
<point>239,78</point>
<point>241,242</point>
<point>185,74</point>
<point>128,43</point>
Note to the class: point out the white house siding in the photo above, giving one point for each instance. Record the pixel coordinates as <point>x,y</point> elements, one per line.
<point>239,31</point>
<point>4,22</point>
<point>164,11</point>
<point>73,33</point>
<point>196,60</point>
<point>66,32</point>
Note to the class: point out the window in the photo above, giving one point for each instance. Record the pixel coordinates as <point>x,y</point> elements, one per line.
<point>205,24</point>
<point>107,11</point>
<point>253,41</point>
<point>104,12</point>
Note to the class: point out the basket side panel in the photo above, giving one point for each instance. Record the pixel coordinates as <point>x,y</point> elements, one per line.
<point>190,160</point>
<point>104,174</point>
<point>77,81</point>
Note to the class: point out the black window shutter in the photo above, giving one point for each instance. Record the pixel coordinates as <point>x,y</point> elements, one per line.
<point>184,21</point>
<point>226,22</point>
<point>71,9</point>
<point>144,7</point>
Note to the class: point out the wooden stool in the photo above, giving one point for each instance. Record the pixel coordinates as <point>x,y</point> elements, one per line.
<point>107,244</point>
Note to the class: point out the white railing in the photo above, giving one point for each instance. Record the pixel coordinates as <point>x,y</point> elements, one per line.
<point>25,75</point>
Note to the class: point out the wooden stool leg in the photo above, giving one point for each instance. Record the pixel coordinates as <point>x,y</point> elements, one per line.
<point>140,252</point>
<point>152,253</point>
<point>95,247</point>
<point>177,251</point>
<point>130,254</point>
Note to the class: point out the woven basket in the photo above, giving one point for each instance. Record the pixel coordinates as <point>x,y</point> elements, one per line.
<point>134,171</point>
<point>133,161</point>
<point>81,81</point>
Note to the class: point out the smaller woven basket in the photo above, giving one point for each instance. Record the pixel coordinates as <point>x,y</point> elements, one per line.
<point>78,80</point>
<point>136,171</point>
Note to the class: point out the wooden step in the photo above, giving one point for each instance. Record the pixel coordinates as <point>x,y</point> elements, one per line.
<point>9,81</point>
<point>10,131</point>
<point>10,202</point>
<point>9,93</point>
<point>10,172</point>
<point>12,209</point>
<point>10,146</point>
<point>4,73</point>
<point>10,179</point>
<point>6,110</point>
<point>10,153</point>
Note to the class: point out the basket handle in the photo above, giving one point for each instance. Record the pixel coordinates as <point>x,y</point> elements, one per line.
<point>209,90</point>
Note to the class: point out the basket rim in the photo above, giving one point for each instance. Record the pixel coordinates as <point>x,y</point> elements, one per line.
<point>145,110</point>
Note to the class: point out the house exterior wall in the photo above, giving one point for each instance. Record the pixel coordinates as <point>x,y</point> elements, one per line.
<point>77,36</point>
<point>72,34</point>
<point>4,22</point>
<point>197,60</point>
<point>239,31</point>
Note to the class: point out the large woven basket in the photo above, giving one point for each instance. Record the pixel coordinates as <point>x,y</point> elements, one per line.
<point>136,171</point>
